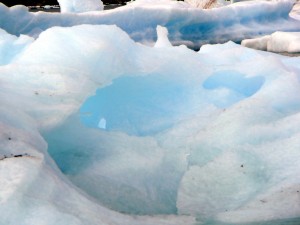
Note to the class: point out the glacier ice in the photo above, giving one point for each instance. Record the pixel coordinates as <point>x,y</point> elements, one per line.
<point>11,46</point>
<point>178,138</point>
<point>260,43</point>
<point>276,42</point>
<point>162,38</point>
<point>76,6</point>
<point>38,98</point>
<point>95,127</point>
<point>187,25</point>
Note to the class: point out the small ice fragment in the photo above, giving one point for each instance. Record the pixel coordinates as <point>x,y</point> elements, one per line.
<point>102,123</point>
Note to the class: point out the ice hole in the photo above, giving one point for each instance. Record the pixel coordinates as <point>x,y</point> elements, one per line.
<point>237,82</point>
<point>118,161</point>
<point>136,105</point>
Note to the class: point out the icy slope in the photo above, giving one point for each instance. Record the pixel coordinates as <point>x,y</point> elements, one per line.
<point>186,133</point>
<point>187,25</point>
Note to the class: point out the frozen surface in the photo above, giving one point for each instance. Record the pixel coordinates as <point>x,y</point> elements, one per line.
<point>276,42</point>
<point>212,135</point>
<point>78,6</point>
<point>186,25</point>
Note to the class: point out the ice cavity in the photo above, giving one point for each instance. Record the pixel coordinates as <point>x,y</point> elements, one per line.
<point>137,105</point>
<point>132,165</point>
<point>53,88</point>
<point>238,86</point>
<point>276,42</point>
<point>78,6</point>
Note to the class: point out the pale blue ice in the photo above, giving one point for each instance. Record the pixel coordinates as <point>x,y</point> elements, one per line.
<point>96,128</point>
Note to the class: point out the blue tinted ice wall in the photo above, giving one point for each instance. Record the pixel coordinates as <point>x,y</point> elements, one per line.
<point>189,26</point>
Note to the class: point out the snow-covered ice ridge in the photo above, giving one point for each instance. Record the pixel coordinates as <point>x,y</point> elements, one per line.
<point>209,137</point>
<point>186,25</point>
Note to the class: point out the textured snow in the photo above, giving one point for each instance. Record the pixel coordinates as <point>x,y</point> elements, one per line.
<point>276,42</point>
<point>77,6</point>
<point>96,128</point>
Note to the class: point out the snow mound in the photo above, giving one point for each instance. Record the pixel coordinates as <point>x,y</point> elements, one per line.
<point>277,42</point>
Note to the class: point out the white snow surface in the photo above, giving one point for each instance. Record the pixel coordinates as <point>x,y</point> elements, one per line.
<point>79,6</point>
<point>187,25</point>
<point>277,42</point>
